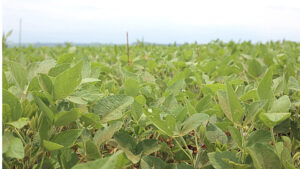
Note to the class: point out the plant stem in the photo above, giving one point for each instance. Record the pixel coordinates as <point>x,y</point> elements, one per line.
<point>191,158</point>
<point>273,138</point>
<point>187,148</point>
<point>5,163</point>
<point>43,157</point>
<point>17,132</point>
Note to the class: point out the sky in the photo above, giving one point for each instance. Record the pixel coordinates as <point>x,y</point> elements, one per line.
<point>156,21</point>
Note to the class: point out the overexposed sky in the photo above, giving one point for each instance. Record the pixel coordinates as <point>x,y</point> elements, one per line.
<point>160,21</point>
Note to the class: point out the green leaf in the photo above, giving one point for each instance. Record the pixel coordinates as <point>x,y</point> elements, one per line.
<point>150,162</point>
<point>253,109</point>
<point>265,86</point>
<point>89,80</point>
<point>131,87</point>
<point>217,159</point>
<point>77,100</point>
<point>67,138</point>
<point>258,136</point>
<point>104,134</point>
<point>19,73</point>
<point>66,82</point>
<point>58,69</point>
<point>51,146</point>
<point>283,104</point>
<point>67,158</point>
<point>112,107</point>
<point>92,150</point>
<point>254,67</point>
<point>44,127</point>
<point>166,126</point>
<point>90,119</point>
<point>34,84</point>
<point>235,165</point>
<point>49,114</point>
<point>223,101</point>
<point>236,135</point>
<point>213,133</point>
<point>193,122</point>
<point>19,123</point>
<point>293,84</point>
<point>251,94</point>
<point>4,81</point>
<point>12,146</point>
<point>128,145</point>
<point>45,83</point>
<point>236,108</point>
<point>104,163</point>
<point>14,104</point>
<point>263,156</point>
<point>149,146</point>
<point>6,113</point>
<point>66,58</point>
<point>64,118</point>
<point>273,119</point>
<point>203,104</point>
<point>190,107</point>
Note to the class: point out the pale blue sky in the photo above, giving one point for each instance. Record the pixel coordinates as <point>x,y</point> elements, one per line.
<point>85,21</point>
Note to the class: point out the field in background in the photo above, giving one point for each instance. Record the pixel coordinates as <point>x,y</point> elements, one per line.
<point>217,105</point>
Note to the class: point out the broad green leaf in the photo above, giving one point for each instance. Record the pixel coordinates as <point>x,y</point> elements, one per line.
<point>90,119</point>
<point>19,123</point>
<point>122,161</point>
<point>12,146</point>
<point>213,133</point>
<point>253,109</point>
<point>67,138</point>
<point>254,67</point>
<point>235,165</point>
<point>77,100</point>
<point>203,104</point>
<point>34,84</point>
<point>129,146</point>
<point>293,84</point>
<point>273,119</point>
<point>4,81</point>
<point>58,69</point>
<point>44,127</point>
<point>264,89</point>
<point>66,82</point>
<point>179,166</point>
<point>131,87</point>
<point>19,73</point>
<point>283,104</point>
<point>6,113</point>
<point>104,163</point>
<point>45,83</point>
<point>67,158</point>
<point>258,136</point>
<point>64,118</point>
<point>166,126</point>
<point>190,107</point>
<point>104,134</point>
<point>217,159</point>
<point>66,58</point>
<point>112,107</point>
<point>193,122</point>
<point>263,156</point>
<point>89,80</point>
<point>223,101</point>
<point>236,108</point>
<point>51,146</point>
<point>150,162</point>
<point>14,104</point>
<point>236,135</point>
<point>44,108</point>
<point>251,94</point>
<point>149,146</point>
<point>92,150</point>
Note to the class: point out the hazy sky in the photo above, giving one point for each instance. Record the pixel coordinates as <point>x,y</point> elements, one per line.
<point>160,21</point>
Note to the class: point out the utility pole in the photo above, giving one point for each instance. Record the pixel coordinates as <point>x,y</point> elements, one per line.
<point>20,33</point>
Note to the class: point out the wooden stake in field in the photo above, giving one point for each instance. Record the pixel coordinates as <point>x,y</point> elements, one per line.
<point>127,49</point>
